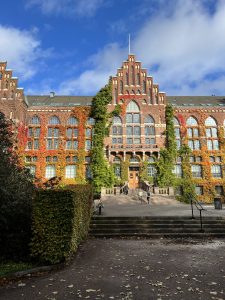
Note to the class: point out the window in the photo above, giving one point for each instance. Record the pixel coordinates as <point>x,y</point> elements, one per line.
<point>219,190</point>
<point>72,121</point>
<point>88,172</point>
<point>91,121</point>
<point>87,159</point>
<point>32,169</point>
<point>53,132</point>
<point>54,121</point>
<point>132,107</point>
<point>70,171</point>
<point>50,171</point>
<point>134,159</point>
<point>72,132</point>
<point>74,159</point>
<point>71,144</point>
<point>52,144</point>
<point>216,171</point>
<point>116,120</point>
<point>194,144</point>
<point>211,132</point>
<point>151,170</point>
<point>191,121</point>
<point>117,130</point>
<point>150,141</point>
<point>177,170</point>
<point>151,159</point>
<point>210,122</point>
<point>117,170</point>
<point>176,122</point>
<point>199,190</point>
<point>116,160</point>
<point>193,132</point>
<point>196,171</point>
<point>87,145</point>
<point>213,144</point>
<point>117,140</point>
<point>48,158</point>
<point>35,120</point>
<point>55,158</point>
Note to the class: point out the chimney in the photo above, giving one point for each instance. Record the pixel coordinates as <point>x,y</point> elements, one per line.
<point>52,94</point>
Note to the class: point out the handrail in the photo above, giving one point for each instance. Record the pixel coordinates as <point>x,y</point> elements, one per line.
<point>200,209</point>
<point>124,188</point>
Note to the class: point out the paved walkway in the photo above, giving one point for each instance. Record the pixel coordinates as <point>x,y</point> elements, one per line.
<point>130,205</point>
<point>132,270</point>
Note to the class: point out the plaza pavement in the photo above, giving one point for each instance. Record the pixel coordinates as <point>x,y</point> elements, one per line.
<point>159,205</point>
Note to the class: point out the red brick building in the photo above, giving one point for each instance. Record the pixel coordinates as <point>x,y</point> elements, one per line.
<point>58,130</point>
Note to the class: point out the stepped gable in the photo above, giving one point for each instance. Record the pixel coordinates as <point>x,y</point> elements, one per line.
<point>133,82</point>
<point>12,102</point>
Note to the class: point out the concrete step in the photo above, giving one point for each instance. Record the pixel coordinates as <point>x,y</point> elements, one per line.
<point>160,235</point>
<point>156,226</point>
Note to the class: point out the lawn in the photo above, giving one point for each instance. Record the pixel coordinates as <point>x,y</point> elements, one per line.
<point>9,267</point>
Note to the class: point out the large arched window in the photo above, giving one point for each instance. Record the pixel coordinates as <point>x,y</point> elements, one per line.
<point>133,129</point>
<point>117,131</point>
<point>34,131</point>
<point>211,134</point>
<point>177,132</point>
<point>52,141</point>
<point>72,134</point>
<point>149,130</point>
<point>193,133</point>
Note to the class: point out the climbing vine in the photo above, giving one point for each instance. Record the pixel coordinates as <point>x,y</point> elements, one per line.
<point>165,164</point>
<point>103,175</point>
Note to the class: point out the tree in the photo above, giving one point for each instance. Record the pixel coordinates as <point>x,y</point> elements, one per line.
<point>16,192</point>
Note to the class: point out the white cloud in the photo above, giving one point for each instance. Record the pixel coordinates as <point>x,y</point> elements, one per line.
<point>21,49</point>
<point>181,49</point>
<point>104,64</point>
<point>83,8</point>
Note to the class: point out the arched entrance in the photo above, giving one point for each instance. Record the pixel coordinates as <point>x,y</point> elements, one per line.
<point>134,173</point>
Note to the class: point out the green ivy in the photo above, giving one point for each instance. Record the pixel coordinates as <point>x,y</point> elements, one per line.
<point>165,164</point>
<point>103,175</point>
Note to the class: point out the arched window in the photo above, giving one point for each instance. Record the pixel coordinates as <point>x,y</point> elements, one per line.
<point>35,120</point>
<point>91,121</point>
<point>211,134</point>
<point>117,160</point>
<point>149,120</point>
<point>34,131</point>
<point>116,120</point>
<point>210,122</point>
<point>177,132</point>
<point>191,121</point>
<point>133,130</point>
<point>134,159</point>
<point>54,120</point>
<point>132,107</point>
<point>72,121</point>
<point>151,159</point>
<point>176,122</point>
<point>193,133</point>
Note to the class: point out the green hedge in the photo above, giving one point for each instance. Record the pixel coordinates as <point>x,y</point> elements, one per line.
<point>60,221</point>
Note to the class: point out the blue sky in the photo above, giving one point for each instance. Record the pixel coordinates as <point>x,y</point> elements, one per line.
<point>73,46</point>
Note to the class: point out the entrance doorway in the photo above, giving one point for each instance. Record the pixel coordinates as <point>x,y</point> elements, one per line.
<point>133,177</point>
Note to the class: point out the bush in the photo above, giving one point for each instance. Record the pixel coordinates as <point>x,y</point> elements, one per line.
<point>61,221</point>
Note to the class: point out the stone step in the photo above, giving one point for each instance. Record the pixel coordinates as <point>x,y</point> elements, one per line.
<point>160,235</point>
<point>156,225</point>
<point>152,230</point>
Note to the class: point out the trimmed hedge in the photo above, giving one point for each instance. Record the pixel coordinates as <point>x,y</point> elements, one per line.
<point>61,221</point>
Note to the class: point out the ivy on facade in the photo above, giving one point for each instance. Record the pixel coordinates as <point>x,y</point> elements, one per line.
<point>165,164</point>
<point>102,172</point>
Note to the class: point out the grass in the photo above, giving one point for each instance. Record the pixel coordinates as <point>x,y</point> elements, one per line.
<point>9,267</point>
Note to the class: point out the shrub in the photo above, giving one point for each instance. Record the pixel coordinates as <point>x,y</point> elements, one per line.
<point>60,222</point>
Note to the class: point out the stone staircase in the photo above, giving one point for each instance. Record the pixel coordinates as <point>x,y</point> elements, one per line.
<point>156,226</point>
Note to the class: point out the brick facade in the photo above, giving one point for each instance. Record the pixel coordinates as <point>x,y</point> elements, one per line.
<point>57,129</point>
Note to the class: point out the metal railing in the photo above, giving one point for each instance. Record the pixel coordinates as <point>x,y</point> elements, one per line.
<point>199,207</point>
<point>124,189</point>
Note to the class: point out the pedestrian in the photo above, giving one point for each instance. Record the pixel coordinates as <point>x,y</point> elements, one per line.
<point>148,196</point>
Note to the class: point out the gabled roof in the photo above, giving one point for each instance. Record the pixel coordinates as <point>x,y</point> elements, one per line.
<point>58,100</point>
<point>200,101</point>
